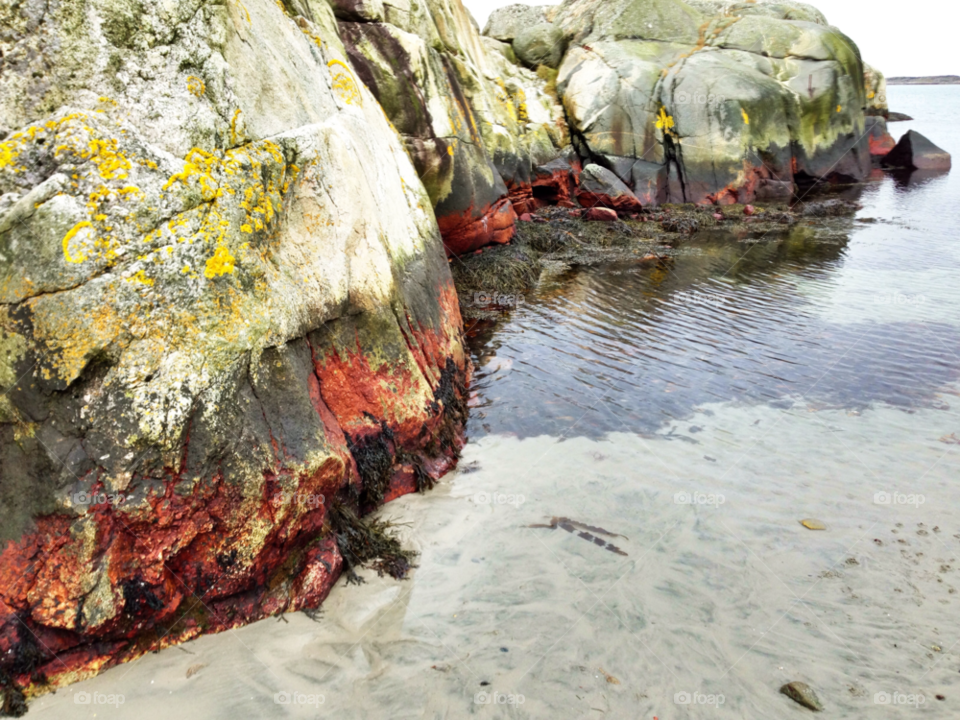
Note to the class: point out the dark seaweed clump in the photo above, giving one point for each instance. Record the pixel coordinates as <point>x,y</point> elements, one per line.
<point>375,461</point>
<point>364,543</point>
<point>22,659</point>
<point>137,596</point>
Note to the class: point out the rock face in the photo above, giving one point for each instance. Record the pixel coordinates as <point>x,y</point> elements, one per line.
<point>224,310</point>
<point>475,123</point>
<point>916,152</point>
<point>710,102</point>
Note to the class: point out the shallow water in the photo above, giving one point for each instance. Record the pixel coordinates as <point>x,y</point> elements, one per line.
<point>700,410</point>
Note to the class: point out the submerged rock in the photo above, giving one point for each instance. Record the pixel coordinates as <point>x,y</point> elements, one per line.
<point>803,694</point>
<point>914,151</point>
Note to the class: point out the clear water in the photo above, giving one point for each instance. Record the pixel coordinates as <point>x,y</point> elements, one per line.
<point>701,411</point>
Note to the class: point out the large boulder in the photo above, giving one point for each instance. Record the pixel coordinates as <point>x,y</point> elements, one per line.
<point>475,123</point>
<point>541,44</point>
<point>505,23</point>
<point>224,313</point>
<point>709,102</point>
<point>915,152</point>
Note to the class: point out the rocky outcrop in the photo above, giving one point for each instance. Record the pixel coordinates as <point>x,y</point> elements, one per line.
<point>915,152</point>
<point>711,102</point>
<point>475,124</point>
<point>226,324</point>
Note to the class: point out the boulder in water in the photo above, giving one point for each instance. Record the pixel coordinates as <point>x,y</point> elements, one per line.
<point>914,151</point>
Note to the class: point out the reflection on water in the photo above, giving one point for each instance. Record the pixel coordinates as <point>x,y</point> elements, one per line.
<point>629,349</point>
<point>810,376</point>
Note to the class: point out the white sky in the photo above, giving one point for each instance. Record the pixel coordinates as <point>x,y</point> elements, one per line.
<point>916,38</point>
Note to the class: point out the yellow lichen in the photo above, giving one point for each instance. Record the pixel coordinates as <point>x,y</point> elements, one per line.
<point>140,277</point>
<point>79,256</point>
<point>196,85</point>
<point>746,118</point>
<point>220,263</point>
<point>343,83</point>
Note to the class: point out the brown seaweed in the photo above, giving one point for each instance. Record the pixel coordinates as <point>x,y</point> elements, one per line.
<point>571,526</point>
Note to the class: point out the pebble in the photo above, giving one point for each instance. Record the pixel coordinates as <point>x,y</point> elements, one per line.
<point>812,524</point>
<point>803,694</point>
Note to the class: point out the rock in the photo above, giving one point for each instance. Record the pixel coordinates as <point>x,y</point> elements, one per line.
<point>897,117</point>
<point>803,694</point>
<point>541,44</point>
<point>881,141</point>
<point>526,217</point>
<point>875,86</point>
<point>725,102</point>
<point>600,187</point>
<point>748,210</point>
<point>812,524</point>
<point>600,213</point>
<point>505,23</point>
<point>474,123</point>
<point>915,151</point>
<point>226,308</point>
<point>358,10</point>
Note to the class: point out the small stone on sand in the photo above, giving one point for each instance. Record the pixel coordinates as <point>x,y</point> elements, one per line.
<point>811,524</point>
<point>803,694</point>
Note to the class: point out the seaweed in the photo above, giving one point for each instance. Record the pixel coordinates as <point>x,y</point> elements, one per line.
<point>137,596</point>
<point>375,460</point>
<point>571,526</point>
<point>25,659</point>
<point>364,543</point>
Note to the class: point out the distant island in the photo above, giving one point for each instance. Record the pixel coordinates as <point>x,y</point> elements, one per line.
<point>928,80</point>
